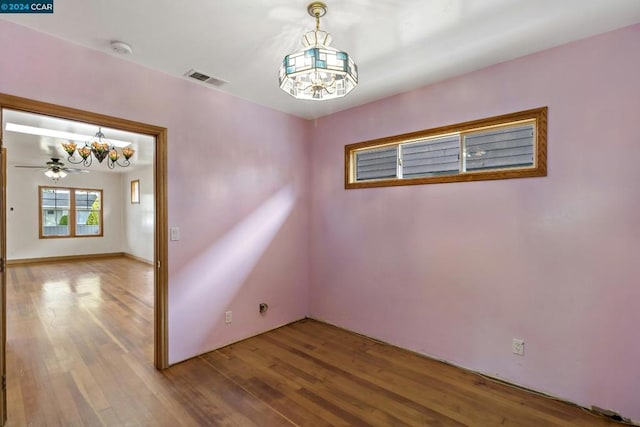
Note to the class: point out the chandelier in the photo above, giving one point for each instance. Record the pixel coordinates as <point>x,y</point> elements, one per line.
<point>318,71</point>
<point>101,149</point>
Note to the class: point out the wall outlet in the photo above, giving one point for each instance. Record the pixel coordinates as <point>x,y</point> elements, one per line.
<point>227,316</point>
<point>517,346</point>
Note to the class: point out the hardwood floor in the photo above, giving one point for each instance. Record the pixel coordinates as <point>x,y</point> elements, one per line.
<point>80,354</point>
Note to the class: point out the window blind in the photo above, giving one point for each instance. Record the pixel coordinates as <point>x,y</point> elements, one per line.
<point>499,148</point>
<point>377,163</point>
<point>431,156</point>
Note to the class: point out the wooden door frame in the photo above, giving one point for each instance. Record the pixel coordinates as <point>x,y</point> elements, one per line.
<point>3,278</point>
<point>161,276</point>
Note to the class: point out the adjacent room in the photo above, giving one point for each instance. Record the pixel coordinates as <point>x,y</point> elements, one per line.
<point>423,213</point>
<point>116,215</point>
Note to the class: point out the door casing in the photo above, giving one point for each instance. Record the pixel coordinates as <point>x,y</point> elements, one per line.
<point>3,280</point>
<point>161,353</point>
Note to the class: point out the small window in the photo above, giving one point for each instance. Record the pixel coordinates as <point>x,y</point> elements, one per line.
<point>509,146</point>
<point>70,212</point>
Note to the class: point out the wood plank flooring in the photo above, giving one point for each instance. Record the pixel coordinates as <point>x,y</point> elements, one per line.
<point>80,354</point>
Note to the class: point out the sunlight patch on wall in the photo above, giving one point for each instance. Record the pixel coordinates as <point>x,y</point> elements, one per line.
<point>209,283</point>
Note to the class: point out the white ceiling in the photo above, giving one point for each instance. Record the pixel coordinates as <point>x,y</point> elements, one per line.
<point>33,150</point>
<point>398,44</point>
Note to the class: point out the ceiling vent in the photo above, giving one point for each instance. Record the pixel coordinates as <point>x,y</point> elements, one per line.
<point>202,77</point>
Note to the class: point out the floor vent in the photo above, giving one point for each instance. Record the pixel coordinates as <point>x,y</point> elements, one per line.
<point>197,75</point>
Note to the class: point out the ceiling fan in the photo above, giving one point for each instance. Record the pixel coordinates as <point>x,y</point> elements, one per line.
<point>55,169</point>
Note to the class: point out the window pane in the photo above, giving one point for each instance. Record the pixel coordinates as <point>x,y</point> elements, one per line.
<point>55,198</point>
<point>48,198</point>
<point>87,213</point>
<point>82,199</point>
<point>377,163</point>
<point>500,148</point>
<point>55,222</point>
<point>431,157</point>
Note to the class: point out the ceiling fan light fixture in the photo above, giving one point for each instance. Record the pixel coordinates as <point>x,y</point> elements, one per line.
<point>318,71</point>
<point>54,169</point>
<point>55,175</point>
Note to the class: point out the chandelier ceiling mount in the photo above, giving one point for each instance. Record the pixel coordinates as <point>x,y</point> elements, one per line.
<point>317,9</point>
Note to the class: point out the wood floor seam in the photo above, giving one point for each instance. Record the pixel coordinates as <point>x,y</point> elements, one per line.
<point>248,392</point>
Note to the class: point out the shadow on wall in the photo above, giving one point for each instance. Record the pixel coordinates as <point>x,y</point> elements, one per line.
<point>210,281</point>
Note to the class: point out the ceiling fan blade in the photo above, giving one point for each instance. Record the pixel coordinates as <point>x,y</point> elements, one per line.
<point>54,165</point>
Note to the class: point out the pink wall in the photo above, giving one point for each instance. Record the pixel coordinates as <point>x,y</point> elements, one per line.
<point>228,159</point>
<point>451,270</point>
<point>457,270</point>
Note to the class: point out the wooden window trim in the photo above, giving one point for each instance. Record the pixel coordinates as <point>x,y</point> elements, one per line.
<point>71,217</point>
<point>537,115</point>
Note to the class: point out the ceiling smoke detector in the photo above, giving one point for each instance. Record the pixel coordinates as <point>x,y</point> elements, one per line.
<point>121,47</point>
<point>205,78</point>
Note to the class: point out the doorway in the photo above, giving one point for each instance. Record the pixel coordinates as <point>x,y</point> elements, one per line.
<point>160,253</point>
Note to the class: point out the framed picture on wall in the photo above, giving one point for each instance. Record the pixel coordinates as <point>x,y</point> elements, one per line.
<point>135,191</point>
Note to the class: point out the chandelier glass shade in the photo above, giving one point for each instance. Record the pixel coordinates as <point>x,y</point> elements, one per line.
<point>101,149</point>
<point>318,71</point>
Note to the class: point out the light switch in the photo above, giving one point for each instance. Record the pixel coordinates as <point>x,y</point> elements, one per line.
<point>174,233</point>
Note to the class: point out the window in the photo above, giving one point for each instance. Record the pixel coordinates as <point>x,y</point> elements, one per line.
<point>509,146</point>
<point>135,191</point>
<point>70,212</point>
